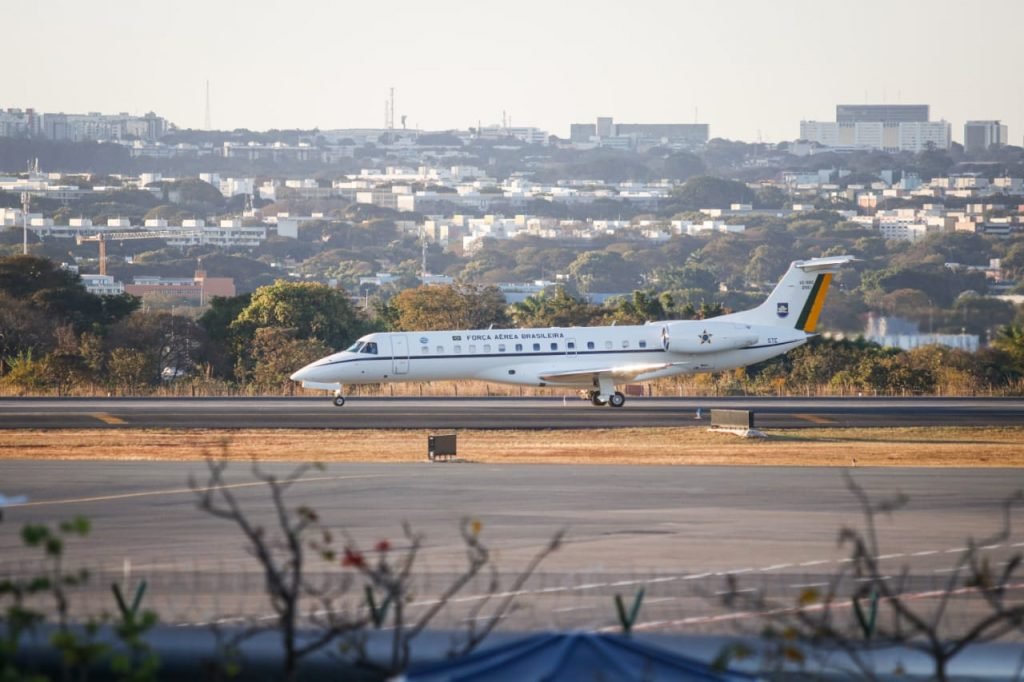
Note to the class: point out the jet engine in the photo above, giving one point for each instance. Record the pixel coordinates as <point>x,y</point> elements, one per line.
<point>700,336</point>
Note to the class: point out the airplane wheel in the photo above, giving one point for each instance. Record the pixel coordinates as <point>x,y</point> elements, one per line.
<point>597,401</point>
<point>339,401</point>
<point>616,399</point>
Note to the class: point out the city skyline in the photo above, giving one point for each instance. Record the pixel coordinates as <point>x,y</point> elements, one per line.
<point>456,65</point>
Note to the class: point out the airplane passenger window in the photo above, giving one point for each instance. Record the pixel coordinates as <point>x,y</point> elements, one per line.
<point>536,346</point>
<point>440,350</point>
<point>625,344</point>
<point>487,348</point>
<point>643,344</point>
<point>608,345</point>
<point>425,350</point>
<point>590,345</point>
<point>370,348</point>
<point>571,345</point>
<point>458,348</point>
<point>501,348</point>
<point>554,346</point>
<point>519,347</point>
<point>472,348</point>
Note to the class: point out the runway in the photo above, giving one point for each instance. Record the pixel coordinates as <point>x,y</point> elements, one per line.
<point>495,413</point>
<point>682,528</point>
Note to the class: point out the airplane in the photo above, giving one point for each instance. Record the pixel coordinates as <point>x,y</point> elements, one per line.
<point>592,359</point>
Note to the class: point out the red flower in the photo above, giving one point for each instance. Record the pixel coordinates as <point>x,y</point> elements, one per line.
<point>383,546</point>
<point>353,559</point>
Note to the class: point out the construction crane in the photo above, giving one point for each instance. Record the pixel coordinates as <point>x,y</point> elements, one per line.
<point>104,237</point>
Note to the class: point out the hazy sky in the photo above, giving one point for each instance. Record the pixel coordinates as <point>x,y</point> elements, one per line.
<point>748,67</point>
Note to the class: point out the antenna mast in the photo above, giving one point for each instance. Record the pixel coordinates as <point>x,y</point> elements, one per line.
<point>209,126</point>
<point>389,116</point>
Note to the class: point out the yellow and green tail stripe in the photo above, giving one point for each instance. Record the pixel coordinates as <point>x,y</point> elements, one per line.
<point>808,320</point>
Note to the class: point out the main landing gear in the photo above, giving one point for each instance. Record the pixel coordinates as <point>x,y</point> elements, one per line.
<point>339,399</point>
<point>616,399</point>
<point>604,393</point>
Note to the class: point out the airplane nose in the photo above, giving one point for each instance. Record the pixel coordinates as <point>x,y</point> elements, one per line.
<point>303,374</point>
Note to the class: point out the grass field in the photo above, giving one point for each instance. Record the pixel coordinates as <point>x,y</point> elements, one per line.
<point>918,446</point>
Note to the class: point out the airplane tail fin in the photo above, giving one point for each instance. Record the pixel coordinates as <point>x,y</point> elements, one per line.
<point>798,298</point>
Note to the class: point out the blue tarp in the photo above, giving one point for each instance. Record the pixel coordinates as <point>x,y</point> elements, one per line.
<point>572,656</point>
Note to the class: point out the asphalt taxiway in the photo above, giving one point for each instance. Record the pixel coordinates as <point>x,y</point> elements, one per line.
<point>496,413</point>
<point>618,517</point>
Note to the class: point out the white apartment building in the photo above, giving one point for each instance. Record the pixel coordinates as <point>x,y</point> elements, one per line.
<point>102,285</point>
<point>95,126</point>
<point>19,123</point>
<point>907,136</point>
<point>690,228</point>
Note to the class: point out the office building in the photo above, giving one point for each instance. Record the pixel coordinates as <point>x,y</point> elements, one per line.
<point>886,127</point>
<point>882,113</point>
<point>980,135</point>
<point>606,132</point>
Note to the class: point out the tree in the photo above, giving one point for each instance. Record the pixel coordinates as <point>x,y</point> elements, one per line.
<point>449,307</point>
<point>709,192</point>
<point>690,275</point>
<point>1010,339</point>
<point>276,353</point>
<point>682,166</point>
<point>867,606</point>
<point>313,311</point>
<point>129,368</point>
<point>641,307</point>
<point>559,309</point>
<point>767,263</point>
<point>604,271</point>
<point>22,276</point>
<point>770,197</point>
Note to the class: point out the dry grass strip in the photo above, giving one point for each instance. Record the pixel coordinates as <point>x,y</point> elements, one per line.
<point>918,446</point>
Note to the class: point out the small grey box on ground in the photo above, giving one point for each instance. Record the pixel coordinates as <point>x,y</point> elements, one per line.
<point>732,419</point>
<point>441,447</point>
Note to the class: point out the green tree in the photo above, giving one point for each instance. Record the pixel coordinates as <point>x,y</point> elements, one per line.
<point>128,369</point>
<point>709,192</point>
<point>690,275</point>
<point>25,373</point>
<point>449,307</point>
<point>1010,340</point>
<point>558,309</point>
<point>313,311</point>
<point>604,271</point>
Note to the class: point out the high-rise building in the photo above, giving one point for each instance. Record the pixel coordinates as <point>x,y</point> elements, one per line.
<point>980,135</point>
<point>888,127</point>
<point>881,113</point>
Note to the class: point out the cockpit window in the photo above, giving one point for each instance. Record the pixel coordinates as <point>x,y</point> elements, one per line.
<point>355,347</point>
<point>369,347</point>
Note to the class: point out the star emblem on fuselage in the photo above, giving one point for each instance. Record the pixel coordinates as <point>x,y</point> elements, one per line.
<point>704,337</point>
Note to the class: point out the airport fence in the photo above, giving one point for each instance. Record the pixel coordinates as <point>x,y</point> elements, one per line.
<point>229,593</point>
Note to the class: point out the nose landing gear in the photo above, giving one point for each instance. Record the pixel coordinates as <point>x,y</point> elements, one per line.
<point>339,399</point>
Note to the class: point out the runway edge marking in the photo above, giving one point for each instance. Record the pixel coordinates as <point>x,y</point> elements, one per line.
<point>180,491</point>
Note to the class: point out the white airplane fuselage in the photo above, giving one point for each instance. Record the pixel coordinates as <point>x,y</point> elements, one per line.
<point>526,356</point>
<point>592,358</point>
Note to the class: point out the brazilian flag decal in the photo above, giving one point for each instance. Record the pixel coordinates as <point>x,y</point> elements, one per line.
<point>808,320</point>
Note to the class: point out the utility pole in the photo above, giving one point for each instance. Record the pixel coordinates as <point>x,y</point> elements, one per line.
<point>25,200</point>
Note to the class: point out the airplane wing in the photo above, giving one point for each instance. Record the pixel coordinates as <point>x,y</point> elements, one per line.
<point>619,373</point>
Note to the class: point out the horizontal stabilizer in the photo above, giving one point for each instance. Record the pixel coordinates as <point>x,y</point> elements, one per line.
<point>831,264</point>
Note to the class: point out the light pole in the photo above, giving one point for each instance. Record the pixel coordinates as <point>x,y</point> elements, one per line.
<point>24,222</point>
